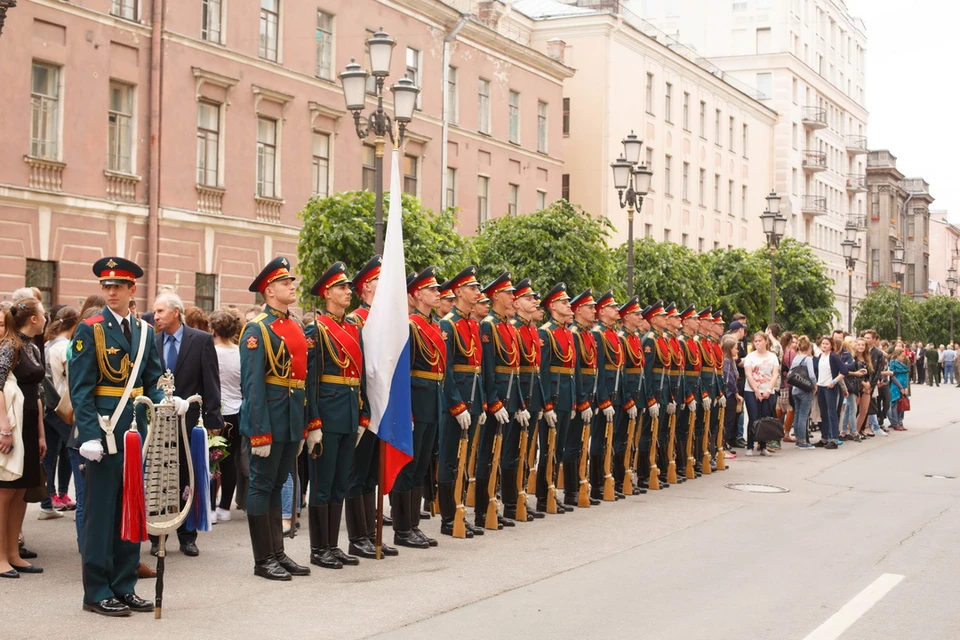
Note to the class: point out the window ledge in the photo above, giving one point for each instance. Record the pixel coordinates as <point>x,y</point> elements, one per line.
<point>210,199</point>
<point>268,209</point>
<point>121,186</point>
<point>45,174</point>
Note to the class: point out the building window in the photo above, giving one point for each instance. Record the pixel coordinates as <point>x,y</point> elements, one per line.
<point>413,69</point>
<point>266,158</point>
<point>730,210</point>
<point>513,199</point>
<point>911,225</point>
<point>541,199</point>
<point>703,187</point>
<point>542,127</point>
<point>765,86</point>
<point>45,112</point>
<point>566,117</point>
<point>321,164</point>
<point>686,111</point>
<point>716,126</point>
<point>208,144</point>
<point>451,187</point>
<point>411,166</point>
<point>42,274</point>
<point>483,196</point>
<point>483,106</point>
<point>514,116</point>
<point>686,181</point>
<point>368,158</point>
<point>650,93</point>
<point>743,202</point>
<point>269,29</point>
<point>667,175</point>
<point>648,160</point>
<point>120,128</point>
<point>205,297</point>
<point>565,187</point>
<point>716,192</point>
<point>210,26</point>
<point>730,133</point>
<point>126,9</point>
<point>700,246</point>
<point>703,120</point>
<point>668,103</point>
<point>875,265</point>
<point>793,134</point>
<point>453,106</point>
<point>743,142</point>
<point>684,239</point>
<point>666,235</point>
<point>324,45</point>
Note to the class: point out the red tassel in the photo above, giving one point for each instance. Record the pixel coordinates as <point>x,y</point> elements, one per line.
<point>133,524</point>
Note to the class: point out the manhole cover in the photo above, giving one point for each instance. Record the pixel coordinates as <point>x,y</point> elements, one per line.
<point>757,488</point>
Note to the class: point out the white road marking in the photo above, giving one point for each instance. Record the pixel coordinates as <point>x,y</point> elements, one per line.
<point>843,619</point>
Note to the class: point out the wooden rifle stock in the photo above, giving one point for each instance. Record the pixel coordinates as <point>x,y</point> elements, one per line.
<point>491,521</point>
<point>551,454</point>
<point>691,471</point>
<point>671,449</point>
<point>434,476</point>
<point>560,475</point>
<point>706,443</point>
<point>721,454</point>
<point>654,480</point>
<point>609,488</point>
<point>583,497</point>
<point>629,460</point>
<point>472,469</point>
<point>459,517</point>
<point>531,461</point>
<point>521,486</point>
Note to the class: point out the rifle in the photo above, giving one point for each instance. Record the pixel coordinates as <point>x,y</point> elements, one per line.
<point>492,522</point>
<point>531,460</point>
<point>609,487</point>
<point>583,498</point>
<point>671,449</point>
<point>521,491</point>
<point>721,454</point>
<point>459,517</point>
<point>628,459</point>
<point>654,480</point>
<point>434,478</point>
<point>691,472</point>
<point>551,453</point>
<point>472,466</point>
<point>706,443</point>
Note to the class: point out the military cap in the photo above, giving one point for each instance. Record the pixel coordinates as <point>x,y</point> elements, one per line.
<point>559,292</point>
<point>671,310</point>
<point>689,312</point>
<point>336,274</point>
<point>524,288</point>
<point>630,306</point>
<point>706,314</point>
<point>369,273</point>
<point>276,269</point>
<point>656,309</point>
<point>423,280</point>
<point>483,299</point>
<point>583,300</point>
<point>536,295</point>
<point>500,283</point>
<point>718,317</point>
<point>446,291</point>
<point>114,270</point>
<point>465,278</point>
<point>606,300</point>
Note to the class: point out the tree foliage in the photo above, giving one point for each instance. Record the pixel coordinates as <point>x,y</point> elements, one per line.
<point>740,282</point>
<point>805,300</point>
<point>927,320</point>
<point>561,243</point>
<point>665,271</point>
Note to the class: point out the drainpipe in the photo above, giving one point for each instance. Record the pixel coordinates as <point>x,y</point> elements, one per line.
<point>153,186</point>
<point>445,127</point>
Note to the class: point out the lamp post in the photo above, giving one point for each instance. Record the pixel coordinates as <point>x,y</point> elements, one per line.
<point>4,6</point>
<point>632,182</point>
<point>952,287</point>
<point>851,252</point>
<point>898,268</point>
<point>378,122</point>
<point>774,226</point>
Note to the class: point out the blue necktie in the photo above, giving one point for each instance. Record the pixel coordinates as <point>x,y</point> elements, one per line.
<point>172,353</point>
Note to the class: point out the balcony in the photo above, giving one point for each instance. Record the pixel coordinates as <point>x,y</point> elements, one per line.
<point>121,186</point>
<point>858,219</point>
<point>210,199</point>
<point>813,205</point>
<point>856,145</point>
<point>856,183</point>
<point>268,209</point>
<point>46,175</point>
<point>814,118</point>
<point>814,161</point>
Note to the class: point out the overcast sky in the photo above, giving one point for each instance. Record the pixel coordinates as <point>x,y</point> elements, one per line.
<point>913,89</point>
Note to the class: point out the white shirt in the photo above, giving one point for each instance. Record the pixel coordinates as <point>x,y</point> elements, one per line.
<point>120,318</point>
<point>230,396</point>
<point>762,372</point>
<point>825,375</point>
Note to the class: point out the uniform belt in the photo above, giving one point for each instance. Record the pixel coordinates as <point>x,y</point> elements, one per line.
<point>116,392</point>
<point>529,369</point>
<point>466,368</point>
<point>507,370</point>
<point>350,382</point>
<point>610,367</point>
<point>567,370</point>
<point>292,383</point>
<point>633,371</point>
<point>426,375</point>
<point>588,372</point>
<point>658,369</point>
<point>692,374</point>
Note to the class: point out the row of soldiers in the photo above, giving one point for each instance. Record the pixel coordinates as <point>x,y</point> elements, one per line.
<point>502,406</point>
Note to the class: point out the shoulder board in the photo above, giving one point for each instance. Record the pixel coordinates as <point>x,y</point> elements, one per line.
<point>545,327</point>
<point>260,317</point>
<point>94,320</point>
<point>351,319</point>
<point>574,329</point>
<point>449,317</point>
<point>487,319</point>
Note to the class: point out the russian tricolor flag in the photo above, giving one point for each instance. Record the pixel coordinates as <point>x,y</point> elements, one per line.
<point>386,345</point>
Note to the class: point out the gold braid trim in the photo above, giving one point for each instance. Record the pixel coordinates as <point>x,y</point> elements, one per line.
<point>274,358</point>
<point>555,346</point>
<point>332,348</point>
<point>510,356</point>
<point>609,351</point>
<point>430,355</point>
<point>459,342</point>
<point>118,376</point>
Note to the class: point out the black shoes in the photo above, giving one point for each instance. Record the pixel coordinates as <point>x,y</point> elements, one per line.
<point>10,574</point>
<point>154,549</point>
<point>831,445</point>
<point>136,603</point>
<point>108,607</point>
<point>411,539</point>
<point>431,542</point>
<point>446,528</point>
<point>363,548</point>
<point>189,549</point>
<point>349,561</point>
<point>27,569</point>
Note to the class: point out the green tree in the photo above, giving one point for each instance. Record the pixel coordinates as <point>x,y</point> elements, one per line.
<point>878,311</point>
<point>741,282</point>
<point>665,271</point>
<point>805,301</point>
<point>562,243</point>
<point>930,319</point>
<point>341,227</point>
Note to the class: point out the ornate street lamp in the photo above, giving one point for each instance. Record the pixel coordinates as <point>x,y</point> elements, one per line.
<point>774,226</point>
<point>899,266</point>
<point>851,252</point>
<point>4,5</point>
<point>378,122</point>
<point>632,182</point>
<point>952,287</point>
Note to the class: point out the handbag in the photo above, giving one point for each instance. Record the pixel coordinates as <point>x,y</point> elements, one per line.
<point>798,377</point>
<point>903,403</point>
<point>768,429</point>
<point>11,464</point>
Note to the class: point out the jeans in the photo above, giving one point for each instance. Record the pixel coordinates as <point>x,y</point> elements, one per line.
<point>57,432</point>
<point>829,418</point>
<point>948,373</point>
<point>873,423</point>
<point>848,419</point>
<point>757,409</point>
<point>896,418</point>
<point>286,498</point>
<point>80,486</point>
<point>802,404</point>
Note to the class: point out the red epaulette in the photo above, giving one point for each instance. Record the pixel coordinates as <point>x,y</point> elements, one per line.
<point>94,320</point>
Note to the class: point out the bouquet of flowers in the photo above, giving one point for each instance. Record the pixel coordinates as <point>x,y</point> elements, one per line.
<point>218,451</point>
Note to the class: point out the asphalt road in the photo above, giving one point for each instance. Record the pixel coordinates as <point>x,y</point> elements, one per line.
<point>864,545</point>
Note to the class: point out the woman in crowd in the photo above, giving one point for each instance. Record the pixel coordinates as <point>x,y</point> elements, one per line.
<point>830,372</point>
<point>785,405</point>
<point>225,326</point>
<point>898,370</point>
<point>195,318</point>
<point>863,362</point>
<point>762,371</point>
<point>18,355</point>
<point>803,400</point>
<point>853,386</point>
<point>734,399</point>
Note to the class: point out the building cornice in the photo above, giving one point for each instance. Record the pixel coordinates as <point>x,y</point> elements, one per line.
<point>232,224</point>
<point>25,197</point>
<point>141,28</point>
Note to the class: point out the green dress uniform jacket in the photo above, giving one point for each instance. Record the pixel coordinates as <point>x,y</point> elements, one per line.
<point>609,382</point>
<point>462,386</point>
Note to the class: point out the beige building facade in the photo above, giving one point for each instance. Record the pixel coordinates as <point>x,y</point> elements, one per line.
<point>944,250</point>
<point>188,137</point>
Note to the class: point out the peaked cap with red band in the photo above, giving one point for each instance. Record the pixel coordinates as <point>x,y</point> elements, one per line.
<point>276,269</point>
<point>559,292</point>
<point>689,312</point>
<point>606,300</point>
<point>336,274</point>
<point>671,310</point>
<point>707,314</point>
<point>630,306</point>
<point>465,278</point>
<point>369,273</point>
<point>500,283</point>
<point>114,270</point>
<point>524,288</point>
<point>584,299</point>
<point>718,317</point>
<point>423,280</point>
<point>656,309</point>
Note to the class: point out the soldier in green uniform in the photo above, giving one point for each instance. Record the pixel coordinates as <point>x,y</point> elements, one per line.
<point>274,373</point>
<point>708,388</point>
<point>720,402</point>
<point>634,392</point>
<point>656,353</point>
<point>558,360</point>
<point>687,446</point>
<point>584,309</point>
<point>114,360</point>
<point>462,389</point>
<point>336,357</point>
<point>609,387</point>
<point>527,304</point>
<point>428,359</point>
<point>675,384</point>
<point>445,305</point>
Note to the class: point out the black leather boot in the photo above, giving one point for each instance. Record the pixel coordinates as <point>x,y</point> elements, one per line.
<point>261,539</point>
<point>448,509</point>
<point>403,534</point>
<point>336,511</point>
<point>320,553</point>
<point>370,515</point>
<point>276,537</point>
<point>415,515</point>
<point>356,517</point>
<point>596,478</point>
<point>571,486</point>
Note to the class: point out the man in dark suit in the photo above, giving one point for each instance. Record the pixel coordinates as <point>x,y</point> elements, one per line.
<point>190,355</point>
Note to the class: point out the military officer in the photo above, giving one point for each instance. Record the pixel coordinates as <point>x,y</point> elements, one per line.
<point>482,308</point>
<point>610,360</point>
<point>274,372</point>
<point>446,301</point>
<point>584,315</point>
<point>688,411</point>
<point>114,360</point>
<point>656,353</point>
<point>675,383</point>
<point>633,391</point>
<point>336,355</point>
<point>526,302</point>
<point>558,359</point>
<point>428,363</point>
<point>708,384</point>
<point>716,327</point>
<point>463,391</point>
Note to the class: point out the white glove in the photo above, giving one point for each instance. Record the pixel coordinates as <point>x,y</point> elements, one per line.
<point>502,416</point>
<point>586,415</point>
<point>632,413</point>
<point>300,447</point>
<point>360,430</point>
<point>551,418</point>
<point>463,419</point>
<point>608,413</point>
<point>262,451</point>
<point>182,406</point>
<point>707,403</point>
<point>92,450</point>
<point>671,408</point>
<point>482,420</point>
<point>722,401</point>
<point>523,418</point>
<point>692,405</point>
<point>315,437</point>
<point>654,411</point>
